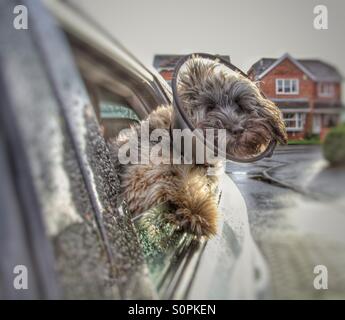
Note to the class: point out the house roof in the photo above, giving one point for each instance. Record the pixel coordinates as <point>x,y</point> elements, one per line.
<point>321,70</point>
<point>168,61</point>
<point>261,65</point>
<point>315,69</point>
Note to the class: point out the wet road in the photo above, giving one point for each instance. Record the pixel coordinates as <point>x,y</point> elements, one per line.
<point>265,199</point>
<point>299,223</point>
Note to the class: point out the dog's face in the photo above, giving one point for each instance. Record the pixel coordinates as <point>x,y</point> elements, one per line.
<point>213,98</point>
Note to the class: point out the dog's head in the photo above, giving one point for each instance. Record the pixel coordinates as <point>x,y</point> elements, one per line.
<point>214,98</point>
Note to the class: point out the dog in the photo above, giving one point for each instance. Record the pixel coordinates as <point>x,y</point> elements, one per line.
<point>212,99</point>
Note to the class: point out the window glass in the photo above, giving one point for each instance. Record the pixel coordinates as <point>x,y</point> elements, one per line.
<point>115,113</point>
<point>293,85</point>
<point>287,86</point>
<point>294,121</point>
<point>116,110</point>
<point>326,89</point>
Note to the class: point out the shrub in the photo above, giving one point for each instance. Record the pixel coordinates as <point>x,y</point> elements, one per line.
<point>334,145</point>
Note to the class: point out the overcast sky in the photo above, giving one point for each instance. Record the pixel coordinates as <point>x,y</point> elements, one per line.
<point>246,30</point>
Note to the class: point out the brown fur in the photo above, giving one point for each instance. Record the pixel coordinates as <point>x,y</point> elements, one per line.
<point>212,100</point>
<point>187,189</point>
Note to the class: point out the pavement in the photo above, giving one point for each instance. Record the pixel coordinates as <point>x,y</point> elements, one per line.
<point>296,211</point>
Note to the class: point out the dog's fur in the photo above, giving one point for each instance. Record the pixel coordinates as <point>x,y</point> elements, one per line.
<point>217,99</point>
<point>212,99</point>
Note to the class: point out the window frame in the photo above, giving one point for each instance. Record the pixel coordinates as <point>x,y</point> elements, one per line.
<point>298,118</point>
<point>283,86</point>
<point>330,92</point>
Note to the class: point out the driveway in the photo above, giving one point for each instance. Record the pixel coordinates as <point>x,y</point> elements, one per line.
<point>296,212</point>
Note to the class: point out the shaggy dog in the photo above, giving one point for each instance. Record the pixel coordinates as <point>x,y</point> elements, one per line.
<point>212,98</point>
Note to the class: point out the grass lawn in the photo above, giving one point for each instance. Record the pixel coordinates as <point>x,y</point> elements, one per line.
<point>305,141</point>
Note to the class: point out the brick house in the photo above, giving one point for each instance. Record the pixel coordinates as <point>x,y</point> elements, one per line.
<point>165,64</point>
<point>308,92</point>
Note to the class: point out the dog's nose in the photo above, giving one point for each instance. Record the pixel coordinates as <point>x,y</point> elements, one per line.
<point>237,130</point>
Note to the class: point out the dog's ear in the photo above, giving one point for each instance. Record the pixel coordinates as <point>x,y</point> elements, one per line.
<point>197,82</point>
<point>275,120</point>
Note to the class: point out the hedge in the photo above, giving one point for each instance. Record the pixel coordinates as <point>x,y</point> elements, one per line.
<point>334,145</point>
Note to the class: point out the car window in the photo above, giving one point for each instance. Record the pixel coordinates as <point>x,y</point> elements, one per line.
<point>115,114</point>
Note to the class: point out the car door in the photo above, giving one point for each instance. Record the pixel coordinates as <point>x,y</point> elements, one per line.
<point>60,220</point>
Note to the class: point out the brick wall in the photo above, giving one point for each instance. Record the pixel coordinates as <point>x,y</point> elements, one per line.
<point>287,70</point>
<point>166,74</point>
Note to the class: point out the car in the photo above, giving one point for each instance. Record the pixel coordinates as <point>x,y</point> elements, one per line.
<point>67,88</point>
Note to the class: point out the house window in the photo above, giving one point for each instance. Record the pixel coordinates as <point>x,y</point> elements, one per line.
<point>330,121</point>
<point>294,121</point>
<point>325,89</point>
<point>287,86</point>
